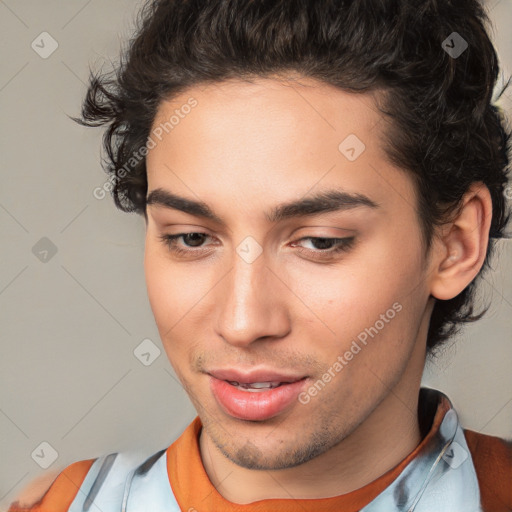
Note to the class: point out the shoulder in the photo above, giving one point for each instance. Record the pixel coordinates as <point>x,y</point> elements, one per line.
<point>101,480</point>
<point>492,458</point>
<point>55,489</point>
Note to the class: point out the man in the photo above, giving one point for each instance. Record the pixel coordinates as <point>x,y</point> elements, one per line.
<point>322,183</point>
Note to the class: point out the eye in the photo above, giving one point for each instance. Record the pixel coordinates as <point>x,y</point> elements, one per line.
<point>194,237</point>
<point>325,247</point>
<point>337,245</point>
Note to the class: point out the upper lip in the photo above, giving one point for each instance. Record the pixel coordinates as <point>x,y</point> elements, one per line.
<point>261,375</point>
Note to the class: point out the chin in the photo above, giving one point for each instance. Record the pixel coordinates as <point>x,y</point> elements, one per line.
<point>262,453</point>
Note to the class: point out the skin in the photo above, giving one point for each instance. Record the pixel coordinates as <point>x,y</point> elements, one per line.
<point>245,148</point>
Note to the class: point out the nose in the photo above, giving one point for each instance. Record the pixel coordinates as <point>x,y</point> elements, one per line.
<point>251,304</point>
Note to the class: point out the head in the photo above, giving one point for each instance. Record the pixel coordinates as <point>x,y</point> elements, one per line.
<point>269,131</point>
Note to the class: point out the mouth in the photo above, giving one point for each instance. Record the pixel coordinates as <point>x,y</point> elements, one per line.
<point>257,395</point>
<point>257,387</point>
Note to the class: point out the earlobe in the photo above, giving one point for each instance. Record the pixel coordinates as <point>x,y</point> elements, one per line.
<point>463,246</point>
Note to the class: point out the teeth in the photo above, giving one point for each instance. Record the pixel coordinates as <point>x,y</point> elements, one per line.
<point>261,385</point>
<point>255,385</point>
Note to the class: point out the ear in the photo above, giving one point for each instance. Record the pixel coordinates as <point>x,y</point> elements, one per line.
<point>461,245</point>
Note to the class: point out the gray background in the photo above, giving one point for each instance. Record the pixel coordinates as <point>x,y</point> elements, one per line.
<point>69,325</point>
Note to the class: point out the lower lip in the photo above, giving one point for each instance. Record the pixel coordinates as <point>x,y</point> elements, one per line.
<point>255,405</point>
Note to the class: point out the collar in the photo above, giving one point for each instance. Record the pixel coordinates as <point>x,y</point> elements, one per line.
<point>441,476</point>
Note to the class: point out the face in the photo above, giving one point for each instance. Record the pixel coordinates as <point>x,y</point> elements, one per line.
<point>323,300</point>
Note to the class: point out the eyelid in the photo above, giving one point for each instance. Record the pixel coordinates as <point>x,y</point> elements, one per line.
<point>340,245</point>
<point>347,233</point>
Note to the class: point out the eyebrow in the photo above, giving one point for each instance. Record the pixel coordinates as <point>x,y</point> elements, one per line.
<point>322,202</point>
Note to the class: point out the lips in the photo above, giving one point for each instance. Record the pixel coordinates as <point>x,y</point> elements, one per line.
<point>256,395</point>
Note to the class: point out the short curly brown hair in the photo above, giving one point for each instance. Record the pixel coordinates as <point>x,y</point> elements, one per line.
<point>446,131</point>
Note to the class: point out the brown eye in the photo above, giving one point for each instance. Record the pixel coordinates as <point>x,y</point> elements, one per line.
<point>327,246</point>
<point>193,239</point>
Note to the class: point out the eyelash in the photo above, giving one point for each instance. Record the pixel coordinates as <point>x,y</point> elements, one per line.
<point>343,244</point>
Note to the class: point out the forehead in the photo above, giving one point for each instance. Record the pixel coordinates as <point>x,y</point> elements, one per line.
<point>266,119</point>
<point>271,138</point>
<point>269,105</point>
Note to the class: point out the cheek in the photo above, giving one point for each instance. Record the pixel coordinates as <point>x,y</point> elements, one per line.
<point>165,299</point>
<point>381,312</point>
<point>164,291</point>
<point>167,287</point>
<point>178,294</point>
<point>340,301</point>
<point>155,275</point>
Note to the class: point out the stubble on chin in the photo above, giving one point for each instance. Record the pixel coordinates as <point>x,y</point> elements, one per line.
<point>290,452</point>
